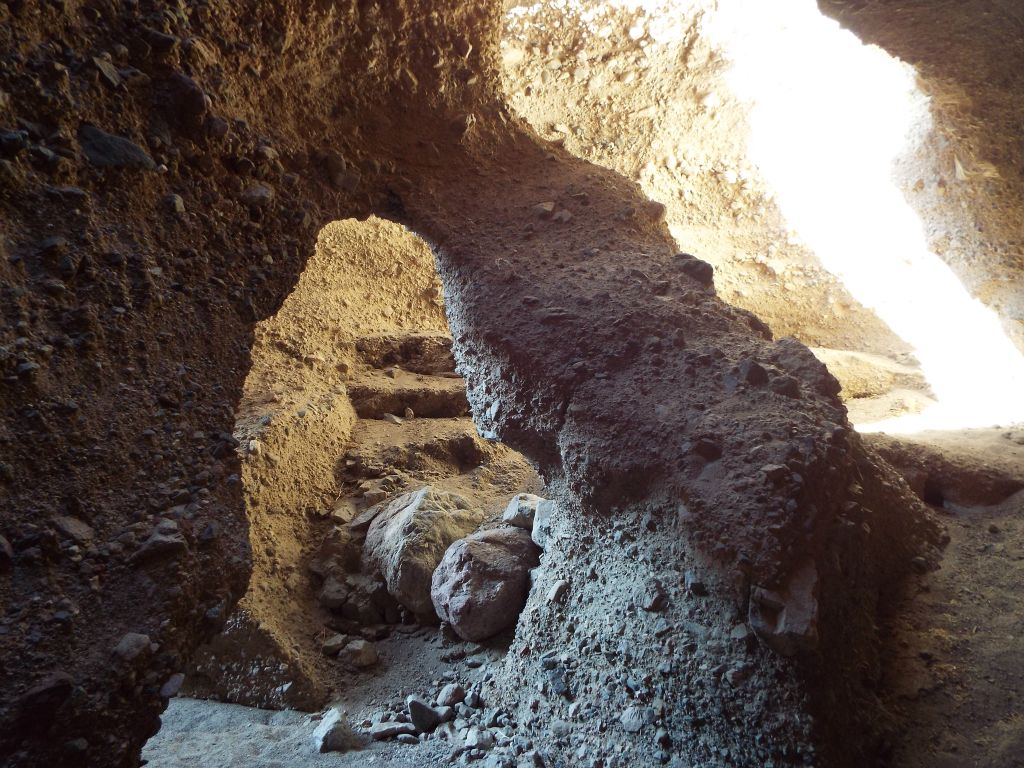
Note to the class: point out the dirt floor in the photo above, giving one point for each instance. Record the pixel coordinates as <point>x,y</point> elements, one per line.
<point>954,658</point>
<point>199,733</point>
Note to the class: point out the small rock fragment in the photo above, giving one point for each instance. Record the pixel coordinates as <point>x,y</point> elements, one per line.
<point>333,645</point>
<point>451,694</point>
<point>479,738</point>
<point>654,598</point>
<point>334,734</point>
<point>131,646</point>
<point>634,719</point>
<point>360,653</point>
<point>424,717</point>
<point>521,511</point>
<point>389,730</point>
<point>108,71</point>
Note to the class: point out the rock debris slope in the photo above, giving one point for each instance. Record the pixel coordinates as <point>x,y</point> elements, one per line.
<point>166,168</point>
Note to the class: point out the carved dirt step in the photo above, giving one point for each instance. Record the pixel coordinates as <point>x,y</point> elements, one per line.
<point>429,353</point>
<point>427,396</point>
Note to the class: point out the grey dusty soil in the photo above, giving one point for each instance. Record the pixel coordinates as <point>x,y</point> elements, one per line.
<point>264,265</point>
<point>207,733</point>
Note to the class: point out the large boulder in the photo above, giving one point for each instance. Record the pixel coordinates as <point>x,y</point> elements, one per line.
<point>481,583</point>
<point>407,539</point>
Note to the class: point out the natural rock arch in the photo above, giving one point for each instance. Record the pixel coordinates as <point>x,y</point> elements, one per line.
<point>587,344</point>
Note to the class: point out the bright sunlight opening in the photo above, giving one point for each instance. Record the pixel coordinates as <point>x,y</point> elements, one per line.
<point>830,117</point>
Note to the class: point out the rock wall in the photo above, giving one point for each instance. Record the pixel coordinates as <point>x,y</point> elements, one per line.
<point>166,168</point>
<point>152,212</point>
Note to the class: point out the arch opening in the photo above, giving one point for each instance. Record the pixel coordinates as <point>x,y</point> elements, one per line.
<point>352,404</point>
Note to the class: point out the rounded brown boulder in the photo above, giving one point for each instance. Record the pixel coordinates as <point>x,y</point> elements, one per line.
<point>481,584</point>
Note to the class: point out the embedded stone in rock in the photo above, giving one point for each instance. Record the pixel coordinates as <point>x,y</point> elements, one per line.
<point>131,646</point>
<point>481,583</point>
<point>408,538</point>
<point>522,510</point>
<point>542,523</point>
<point>170,688</point>
<point>693,267</point>
<point>13,142</point>
<point>73,528</point>
<point>655,598</point>
<point>38,706</point>
<point>6,555</point>
<point>634,719</point>
<point>558,591</point>
<point>787,620</point>
<point>106,150</point>
<point>165,541</point>
<point>258,196</point>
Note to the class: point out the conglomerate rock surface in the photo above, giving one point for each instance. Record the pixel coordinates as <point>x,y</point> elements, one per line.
<point>165,170</point>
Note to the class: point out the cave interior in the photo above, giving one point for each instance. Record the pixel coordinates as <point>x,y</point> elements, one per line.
<point>606,383</point>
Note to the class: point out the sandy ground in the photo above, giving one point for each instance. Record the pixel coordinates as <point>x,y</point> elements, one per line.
<point>212,734</point>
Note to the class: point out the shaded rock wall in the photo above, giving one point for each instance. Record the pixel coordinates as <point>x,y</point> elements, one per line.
<point>586,343</point>
<point>128,315</point>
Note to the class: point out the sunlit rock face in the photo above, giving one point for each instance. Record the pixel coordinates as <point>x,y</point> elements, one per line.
<point>711,466</point>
